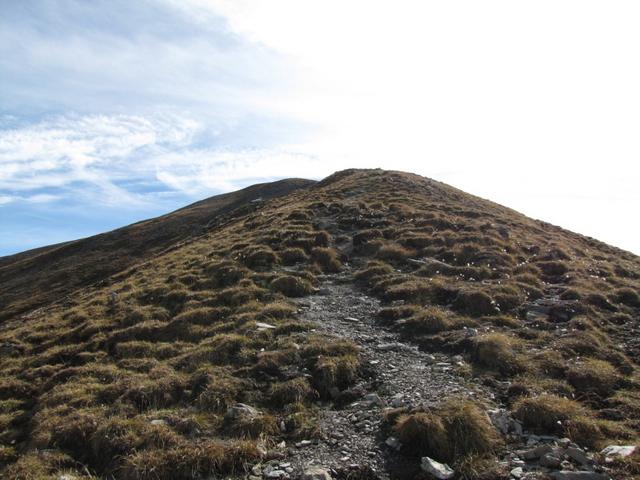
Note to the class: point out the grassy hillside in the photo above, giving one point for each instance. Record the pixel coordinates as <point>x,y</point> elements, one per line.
<point>37,277</point>
<point>140,377</point>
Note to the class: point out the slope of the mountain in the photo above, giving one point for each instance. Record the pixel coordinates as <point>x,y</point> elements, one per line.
<point>36,277</point>
<point>361,327</point>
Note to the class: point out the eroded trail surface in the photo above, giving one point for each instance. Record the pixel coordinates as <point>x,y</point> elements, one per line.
<point>398,375</point>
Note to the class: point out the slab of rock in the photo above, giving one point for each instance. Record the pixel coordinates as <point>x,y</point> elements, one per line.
<point>241,410</point>
<point>275,474</point>
<point>612,451</point>
<point>537,452</point>
<point>577,455</point>
<point>264,326</point>
<point>439,470</point>
<point>316,473</point>
<point>516,472</point>
<point>582,475</point>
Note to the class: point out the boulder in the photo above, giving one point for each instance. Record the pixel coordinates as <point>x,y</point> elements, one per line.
<point>439,470</point>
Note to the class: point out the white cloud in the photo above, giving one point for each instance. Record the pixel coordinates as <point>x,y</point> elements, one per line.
<point>98,150</point>
<point>533,105</point>
<point>508,100</point>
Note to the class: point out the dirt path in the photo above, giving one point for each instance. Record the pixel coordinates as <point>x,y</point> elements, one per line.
<point>401,375</point>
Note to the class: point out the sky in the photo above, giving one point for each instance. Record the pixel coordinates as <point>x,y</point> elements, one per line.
<point>116,111</point>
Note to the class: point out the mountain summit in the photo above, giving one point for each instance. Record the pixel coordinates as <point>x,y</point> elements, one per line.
<point>372,325</point>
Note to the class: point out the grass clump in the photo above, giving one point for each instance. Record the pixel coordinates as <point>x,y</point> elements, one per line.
<point>293,255</point>
<point>261,258</point>
<point>296,390</point>
<point>208,458</point>
<point>593,376</point>
<point>331,373</point>
<point>547,413</point>
<point>327,259</point>
<point>496,351</point>
<point>475,303</point>
<point>457,429</point>
<point>627,296</point>
<point>428,320</point>
<point>394,253</point>
<point>291,286</point>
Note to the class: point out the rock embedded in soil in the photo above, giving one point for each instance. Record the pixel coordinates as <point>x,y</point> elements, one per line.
<point>618,451</point>
<point>439,470</point>
<point>578,475</point>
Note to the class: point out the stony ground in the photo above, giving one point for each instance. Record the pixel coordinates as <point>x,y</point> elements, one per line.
<point>399,374</point>
<point>353,445</point>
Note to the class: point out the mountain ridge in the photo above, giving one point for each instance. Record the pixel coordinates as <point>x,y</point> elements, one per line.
<point>368,321</point>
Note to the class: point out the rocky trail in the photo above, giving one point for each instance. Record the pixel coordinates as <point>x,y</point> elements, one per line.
<point>399,374</point>
<point>353,443</point>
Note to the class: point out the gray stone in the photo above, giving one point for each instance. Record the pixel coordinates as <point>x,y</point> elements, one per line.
<point>316,473</point>
<point>537,452</point>
<point>158,421</point>
<point>275,474</point>
<point>564,442</point>
<point>577,455</point>
<point>503,421</point>
<point>241,410</point>
<point>550,460</point>
<point>264,326</point>
<point>374,399</point>
<point>439,470</point>
<point>582,475</point>
<point>393,442</point>
<point>516,472</point>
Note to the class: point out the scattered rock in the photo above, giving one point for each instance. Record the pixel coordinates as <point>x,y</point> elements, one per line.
<point>158,421</point>
<point>439,470</point>
<point>264,326</point>
<point>316,473</point>
<point>351,319</point>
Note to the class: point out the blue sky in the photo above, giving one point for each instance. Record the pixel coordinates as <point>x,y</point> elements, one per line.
<point>115,111</point>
